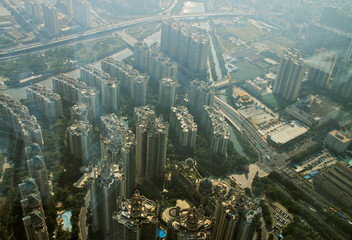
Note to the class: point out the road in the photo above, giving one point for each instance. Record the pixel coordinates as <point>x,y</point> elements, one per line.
<point>89,34</point>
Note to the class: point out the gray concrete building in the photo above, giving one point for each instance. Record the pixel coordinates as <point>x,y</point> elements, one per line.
<point>48,102</point>
<point>184,126</point>
<point>151,136</point>
<point>107,182</point>
<point>79,140</point>
<point>51,21</point>
<point>200,94</point>
<point>337,141</point>
<point>167,93</point>
<point>290,75</point>
<point>342,84</point>
<point>216,129</point>
<point>186,45</point>
<point>81,112</point>
<point>81,12</point>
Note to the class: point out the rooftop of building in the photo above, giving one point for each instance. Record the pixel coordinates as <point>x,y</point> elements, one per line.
<point>28,185</point>
<point>80,128</point>
<point>79,108</point>
<point>339,136</point>
<point>220,126</point>
<point>136,211</point>
<point>185,118</point>
<point>33,150</point>
<point>315,106</point>
<point>44,92</point>
<point>168,82</point>
<point>288,132</point>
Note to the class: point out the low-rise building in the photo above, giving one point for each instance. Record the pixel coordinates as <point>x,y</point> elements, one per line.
<point>287,133</point>
<point>313,111</point>
<point>257,86</point>
<point>336,184</point>
<point>337,141</point>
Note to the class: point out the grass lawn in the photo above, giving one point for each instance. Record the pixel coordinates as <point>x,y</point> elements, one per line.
<point>143,31</point>
<point>246,70</point>
<point>248,32</point>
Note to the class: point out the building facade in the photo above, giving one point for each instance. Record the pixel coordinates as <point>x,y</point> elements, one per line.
<point>79,140</point>
<point>290,75</point>
<point>167,93</point>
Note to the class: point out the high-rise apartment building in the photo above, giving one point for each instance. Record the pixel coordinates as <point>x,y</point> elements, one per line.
<point>51,21</point>
<point>189,224</point>
<point>81,112</point>
<point>74,91</point>
<point>184,126</point>
<point>151,136</point>
<point>235,218</point>
<point>200,94</point>
<point>154,62</point>
<point>37,169</point>
<point>167,93</point>
<point>342,84</point>
<point>36,12</point>
<point>118,145</point>
<point>81,12</point>
<point>17,117</point>
<point>107,182</point>
<point>187,45</point>
<point>290,75</point>
<point>110,91</point>
<point>45,100</point>
<point>135,218</point>
<point>79,140</point>
<point>321,67</point>
<point>129,77</point>
<point>216,128</point>
<point>33,214</point>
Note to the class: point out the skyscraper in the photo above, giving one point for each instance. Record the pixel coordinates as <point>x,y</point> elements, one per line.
<point>184,126</point>
<point>167,93</point>
<point>79,140</point>
<point>235,218</point>
<point>37,169</point>
<point>189,224</point>
<point>342,84</point>
<point>186,45</point>
<point>200,94</point>
<point>118,145</point>
<point>290,75</point>
<point>107,182</point>
<point>51,21</point>
<point>81,12</point>
<point>135,218</point>
<point>151,136</point>
<point>48,102</point>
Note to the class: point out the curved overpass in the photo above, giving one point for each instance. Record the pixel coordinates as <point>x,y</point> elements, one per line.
<point>109,29</point>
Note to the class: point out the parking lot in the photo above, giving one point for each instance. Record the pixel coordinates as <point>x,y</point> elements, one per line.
<point>280,216</point>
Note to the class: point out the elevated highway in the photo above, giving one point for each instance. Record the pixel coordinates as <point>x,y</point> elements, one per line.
<point>93,33</point>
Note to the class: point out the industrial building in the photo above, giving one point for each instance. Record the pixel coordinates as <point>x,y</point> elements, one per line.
<point>336,184</point>
<point>151,136</point>
<point>290,75</point>
<point>48,102</point>
<point>313,111</point>
<point>182,123</point>
<point>79,140</point>
<point>135,218</point>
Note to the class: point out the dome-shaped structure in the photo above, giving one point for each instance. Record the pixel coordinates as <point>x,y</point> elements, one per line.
<point>190,162</point>
<point>205,186</point>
